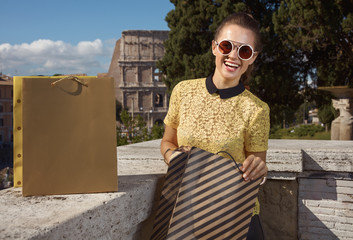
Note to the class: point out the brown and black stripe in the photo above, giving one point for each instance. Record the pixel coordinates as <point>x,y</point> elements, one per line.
<point>204,197</point>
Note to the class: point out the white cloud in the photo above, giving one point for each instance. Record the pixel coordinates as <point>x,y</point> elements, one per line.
<point>94,47</point>
<point>47,57</point>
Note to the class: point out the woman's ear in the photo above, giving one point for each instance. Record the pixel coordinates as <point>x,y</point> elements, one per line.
<point>252,60</point>
<point>214,46</point>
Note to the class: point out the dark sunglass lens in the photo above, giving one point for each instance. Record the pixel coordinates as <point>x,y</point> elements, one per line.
<point>245,52</point>
<point>225,47</point>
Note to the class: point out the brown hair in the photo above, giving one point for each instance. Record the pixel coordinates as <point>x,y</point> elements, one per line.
<point>246,21</point>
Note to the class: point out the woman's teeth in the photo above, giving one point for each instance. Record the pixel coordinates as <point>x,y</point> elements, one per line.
<point>231,64</point>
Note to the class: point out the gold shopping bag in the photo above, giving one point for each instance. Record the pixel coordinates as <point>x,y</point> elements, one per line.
<point>204,196</point>
<point>64,135</point>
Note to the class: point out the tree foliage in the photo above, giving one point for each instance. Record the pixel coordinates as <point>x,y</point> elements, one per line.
<point>306,43</point>
<point>188,49</point>
<point>134,130</point>
<point>326,115</point>
<point>321,32</point>
<point>276,79</point>
<point>302,114</point>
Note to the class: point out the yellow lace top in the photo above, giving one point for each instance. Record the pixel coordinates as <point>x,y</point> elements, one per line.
<point>214,124</point>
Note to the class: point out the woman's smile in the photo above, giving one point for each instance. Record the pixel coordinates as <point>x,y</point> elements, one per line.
<point>230,68</point>
<point>231,65</point>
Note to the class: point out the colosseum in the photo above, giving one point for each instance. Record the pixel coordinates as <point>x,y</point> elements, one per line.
<point>138,82</point>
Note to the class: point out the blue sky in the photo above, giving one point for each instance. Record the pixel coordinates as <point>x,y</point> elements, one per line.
<point>44,37</point>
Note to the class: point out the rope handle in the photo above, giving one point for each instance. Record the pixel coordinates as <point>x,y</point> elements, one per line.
<point>231,157</point>
<point>70,77</point>
<point>263,179</point>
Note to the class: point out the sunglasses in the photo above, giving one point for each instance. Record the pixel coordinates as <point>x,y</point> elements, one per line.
<point>225,47</point>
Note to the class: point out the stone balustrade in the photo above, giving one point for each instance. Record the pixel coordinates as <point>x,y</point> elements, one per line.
<point>309,195</point>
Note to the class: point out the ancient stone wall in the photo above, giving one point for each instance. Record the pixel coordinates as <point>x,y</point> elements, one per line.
<point>279,200</point>
<point>325,194</point>
<point>309,194</point>
<point>138,82</point>
<point>325,208</point>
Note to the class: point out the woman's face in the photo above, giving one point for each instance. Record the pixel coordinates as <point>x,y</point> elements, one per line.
<point>230,68</point>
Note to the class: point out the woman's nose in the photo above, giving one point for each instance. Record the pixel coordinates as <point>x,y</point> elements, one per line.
<point>234,53</point>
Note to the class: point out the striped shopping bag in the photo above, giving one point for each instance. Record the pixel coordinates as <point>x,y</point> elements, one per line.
<point>204,197</point>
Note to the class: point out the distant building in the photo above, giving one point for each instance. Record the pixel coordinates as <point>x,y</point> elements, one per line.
<point>313,116</point>
<point>6,113</point>
<point>138,84</point>
<point>6,110</point>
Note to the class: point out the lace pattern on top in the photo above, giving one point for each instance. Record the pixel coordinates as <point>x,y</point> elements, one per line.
<point>206,121</point>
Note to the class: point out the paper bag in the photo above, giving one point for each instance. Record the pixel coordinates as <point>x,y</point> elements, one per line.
<point>64,135</point>
<point>204,196</point>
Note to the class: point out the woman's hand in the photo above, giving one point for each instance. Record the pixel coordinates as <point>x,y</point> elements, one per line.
<point>169,153</point>
<point>183,148</point>
<point>254,166</point>
<point>169,143</point>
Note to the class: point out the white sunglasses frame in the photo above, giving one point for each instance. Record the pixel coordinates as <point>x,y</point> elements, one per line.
<point>235,46</point>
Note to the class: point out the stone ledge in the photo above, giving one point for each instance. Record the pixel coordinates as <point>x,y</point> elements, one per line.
<point>297,156</point>
<point>126,214</point>
<point>336,160</point>
<point>79,216</point>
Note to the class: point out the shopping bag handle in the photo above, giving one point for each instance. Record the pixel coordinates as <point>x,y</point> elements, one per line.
<point>231,157</point>
<point>70,77</point>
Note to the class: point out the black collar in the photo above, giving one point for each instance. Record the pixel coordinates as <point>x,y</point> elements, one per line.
<point>226,92</point>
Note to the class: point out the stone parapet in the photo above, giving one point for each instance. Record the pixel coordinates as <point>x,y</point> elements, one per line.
<point>100,216</point>
<point>309,195</point>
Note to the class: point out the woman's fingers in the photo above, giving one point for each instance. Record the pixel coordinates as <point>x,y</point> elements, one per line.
<point>184,148</point>
<point>253,168</point>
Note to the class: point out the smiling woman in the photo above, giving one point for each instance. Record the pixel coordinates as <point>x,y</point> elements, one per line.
<point>217,114</point>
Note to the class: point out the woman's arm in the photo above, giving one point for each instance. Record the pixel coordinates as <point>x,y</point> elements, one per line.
<point>254,165</point>
<point>169,141</point>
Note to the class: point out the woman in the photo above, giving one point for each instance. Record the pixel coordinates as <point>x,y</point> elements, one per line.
<point>218,113</point>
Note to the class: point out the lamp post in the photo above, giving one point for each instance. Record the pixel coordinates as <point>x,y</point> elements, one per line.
<point>132,113</point>
<point>304,111</point>
<point>148,119</point>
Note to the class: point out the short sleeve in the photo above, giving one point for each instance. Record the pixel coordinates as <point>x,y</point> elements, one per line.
<point>256,139</point>
<point>173,115</point>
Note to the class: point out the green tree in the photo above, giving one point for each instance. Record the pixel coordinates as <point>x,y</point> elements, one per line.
<point>302,113</point>
<point>326,115</point>
<point>120,138</point>
<point>132,130</point>
<point>277,77</point>
<point>188,49</point>
<point>157,131</point>
<point>321,33</point>
<point>139,130</point>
